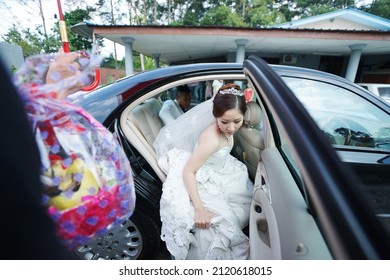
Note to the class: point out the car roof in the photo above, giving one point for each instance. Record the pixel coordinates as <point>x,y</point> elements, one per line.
<point>374,84</point>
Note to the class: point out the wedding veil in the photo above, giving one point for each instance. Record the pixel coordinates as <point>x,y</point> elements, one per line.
<point>183,133</point>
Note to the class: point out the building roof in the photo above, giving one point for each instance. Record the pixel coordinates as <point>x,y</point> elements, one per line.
<point>187,44</point>
<point>344,19</point>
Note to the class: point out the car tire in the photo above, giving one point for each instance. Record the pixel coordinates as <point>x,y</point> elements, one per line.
<point>150,234</point>
<point>137,238</point>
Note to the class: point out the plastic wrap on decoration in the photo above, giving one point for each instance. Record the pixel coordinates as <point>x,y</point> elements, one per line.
<point>88,184</point>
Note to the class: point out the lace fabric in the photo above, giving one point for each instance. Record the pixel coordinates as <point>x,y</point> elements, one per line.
<point>176,211</point>
<point>222,186</point>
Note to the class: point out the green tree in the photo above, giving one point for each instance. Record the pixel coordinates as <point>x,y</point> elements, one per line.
<point>307,8</point>
<point>379,8</point>
<point>261,13</point>
<point>32,43</point>
<point>287,11</point>
<point>148,62</point>
<point>222,16</point>
<point>109,62</point>
<point>37,42</point>
<point>71,18</point>
<point>188,12</point>
<point>111,13</point>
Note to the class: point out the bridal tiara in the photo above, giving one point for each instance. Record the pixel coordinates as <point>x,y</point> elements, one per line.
<point>232,91</point>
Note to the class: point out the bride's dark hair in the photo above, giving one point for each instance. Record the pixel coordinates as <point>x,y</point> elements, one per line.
<point>226,100</point>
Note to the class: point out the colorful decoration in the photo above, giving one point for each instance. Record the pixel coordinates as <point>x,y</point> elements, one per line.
<point>88,184</point>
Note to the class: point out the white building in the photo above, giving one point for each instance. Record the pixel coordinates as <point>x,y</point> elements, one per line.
<point>11,55</point>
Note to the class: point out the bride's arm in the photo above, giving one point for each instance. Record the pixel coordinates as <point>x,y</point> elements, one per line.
<point>208,144</point>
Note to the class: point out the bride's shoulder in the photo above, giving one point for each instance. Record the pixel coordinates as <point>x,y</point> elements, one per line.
<point>210,134</point>
<point>211,130</point>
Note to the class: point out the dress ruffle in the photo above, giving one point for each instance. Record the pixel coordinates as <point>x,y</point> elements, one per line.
<point>224,189</point>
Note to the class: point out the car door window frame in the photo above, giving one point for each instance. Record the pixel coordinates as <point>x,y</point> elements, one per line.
<point>328,181</point>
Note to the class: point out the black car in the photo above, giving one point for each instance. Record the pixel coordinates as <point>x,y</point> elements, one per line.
<point>316,145</point>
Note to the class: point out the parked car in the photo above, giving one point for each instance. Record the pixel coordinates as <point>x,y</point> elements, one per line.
<point>320,162</point>
<point>381,90</point>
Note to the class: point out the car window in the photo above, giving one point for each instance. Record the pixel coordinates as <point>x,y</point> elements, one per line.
<point>384,92</point>
<point>345,117</point>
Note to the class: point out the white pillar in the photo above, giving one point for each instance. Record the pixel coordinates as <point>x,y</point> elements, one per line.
<point>240,55</point>
<point>129,62</point>
<point>156,60</point>
<point>354,59</point>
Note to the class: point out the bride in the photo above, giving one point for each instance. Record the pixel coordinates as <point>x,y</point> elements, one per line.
<point>207,194</point>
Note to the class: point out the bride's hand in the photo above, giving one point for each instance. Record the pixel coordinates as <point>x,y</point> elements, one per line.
<point>202,218</point>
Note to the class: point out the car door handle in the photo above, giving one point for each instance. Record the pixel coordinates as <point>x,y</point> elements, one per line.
<point>264,233</point>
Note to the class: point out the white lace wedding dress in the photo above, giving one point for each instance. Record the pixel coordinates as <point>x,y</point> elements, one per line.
<point>224,189</point>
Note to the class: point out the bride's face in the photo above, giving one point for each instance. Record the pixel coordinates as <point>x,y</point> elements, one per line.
<point>230,121</point>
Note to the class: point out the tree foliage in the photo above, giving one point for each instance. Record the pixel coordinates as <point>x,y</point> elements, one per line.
<point>36,42</point>
<point>109,62</point>
<point>262,13</point>
<point>74,17</point>
<point>32,43</point>
<point>222,16</point>
<point>378,7</point>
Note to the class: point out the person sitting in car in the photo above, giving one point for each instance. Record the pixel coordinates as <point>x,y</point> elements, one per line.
<point>172,109</point>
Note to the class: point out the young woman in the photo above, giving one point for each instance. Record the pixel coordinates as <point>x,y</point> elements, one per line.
<point>207,194</point>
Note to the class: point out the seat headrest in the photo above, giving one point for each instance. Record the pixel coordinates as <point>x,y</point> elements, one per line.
<point>253,115</point>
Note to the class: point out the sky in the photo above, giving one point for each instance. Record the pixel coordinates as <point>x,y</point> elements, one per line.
<point>11,12</point>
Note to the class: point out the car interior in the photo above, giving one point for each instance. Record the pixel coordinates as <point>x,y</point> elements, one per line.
<point>253,145</point>
<point>141,123</point>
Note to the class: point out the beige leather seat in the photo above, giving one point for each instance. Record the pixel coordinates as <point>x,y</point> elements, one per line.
<point>249,141</point>
<point>146,120</point>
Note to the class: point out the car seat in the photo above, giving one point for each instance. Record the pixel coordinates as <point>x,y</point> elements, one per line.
<point>249,141</point>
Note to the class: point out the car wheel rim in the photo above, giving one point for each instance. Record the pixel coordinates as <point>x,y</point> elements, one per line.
<point>123,243</point>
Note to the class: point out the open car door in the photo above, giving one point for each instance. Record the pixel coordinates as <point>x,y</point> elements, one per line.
<point>305,201</point>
